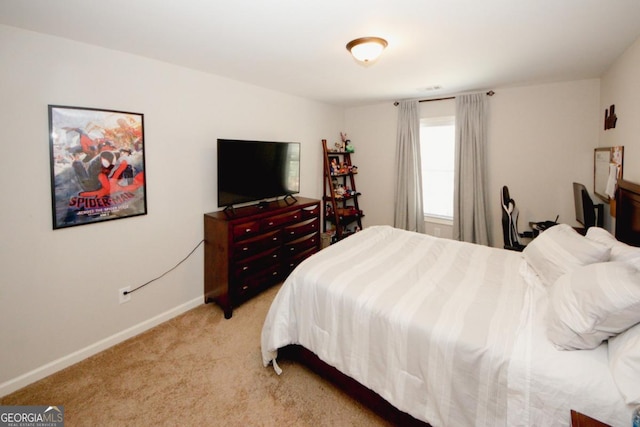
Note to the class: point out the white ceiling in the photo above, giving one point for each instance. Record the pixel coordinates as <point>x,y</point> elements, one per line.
<point>298,46</point>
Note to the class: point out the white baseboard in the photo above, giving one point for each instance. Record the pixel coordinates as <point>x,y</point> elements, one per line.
<point>52,367</point>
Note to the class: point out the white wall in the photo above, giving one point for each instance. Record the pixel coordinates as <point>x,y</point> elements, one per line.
<point>58,296</point>
<point>541,139</point>
<point>621,87</point>
<point>372,131</point>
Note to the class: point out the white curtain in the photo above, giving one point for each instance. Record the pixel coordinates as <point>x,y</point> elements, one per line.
<point>409,213</point>
<point>469,202</point>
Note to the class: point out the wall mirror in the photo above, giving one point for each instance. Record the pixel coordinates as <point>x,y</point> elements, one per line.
<point>607,169</point>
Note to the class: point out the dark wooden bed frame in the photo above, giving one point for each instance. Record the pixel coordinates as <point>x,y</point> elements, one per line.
<point>628,213</point>
<point>627,230</point>
<point>353,388</point>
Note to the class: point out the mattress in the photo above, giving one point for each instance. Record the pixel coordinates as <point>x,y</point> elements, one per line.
<point>450,332</point>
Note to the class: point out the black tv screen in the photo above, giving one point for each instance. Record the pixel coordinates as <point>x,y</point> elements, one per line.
<point>251,171</point>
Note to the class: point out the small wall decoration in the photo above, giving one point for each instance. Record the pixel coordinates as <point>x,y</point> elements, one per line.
<point>97,165</point>
<point>610,117</point>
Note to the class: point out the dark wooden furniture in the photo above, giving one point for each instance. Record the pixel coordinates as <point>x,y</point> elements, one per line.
<point>581,420</point>
<point>628,212</point>
<point>251,248</point>
<point>374,401</point>
<point>353,388</point>
<point>341,209</point>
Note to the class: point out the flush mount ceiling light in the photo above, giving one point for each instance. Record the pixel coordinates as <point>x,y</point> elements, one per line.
<point>366,49</point>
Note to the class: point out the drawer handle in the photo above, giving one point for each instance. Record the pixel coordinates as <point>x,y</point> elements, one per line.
<point>275,239</point>
<point>275,273</point>
<point>271,223</point>
<point>292,233</point>
<point>245,268</point>
<point>274,256</point>
<point>245,248</point>
<point>247,230</point>
<point>245,287</point>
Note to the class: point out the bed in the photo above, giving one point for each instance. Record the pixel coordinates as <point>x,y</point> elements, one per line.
<point>447,333</point>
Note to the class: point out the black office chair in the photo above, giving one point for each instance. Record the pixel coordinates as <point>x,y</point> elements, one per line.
<point>589,210</point>
<point>510,222</point>
<point>588,213</point>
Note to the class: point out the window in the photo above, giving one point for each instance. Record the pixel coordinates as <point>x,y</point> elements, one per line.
<point>437,151</point>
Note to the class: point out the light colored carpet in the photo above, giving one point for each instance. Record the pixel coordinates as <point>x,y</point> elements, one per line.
<point>197,369</point>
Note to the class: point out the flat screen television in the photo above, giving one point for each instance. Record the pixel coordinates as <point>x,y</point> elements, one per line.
<point>254,171</point>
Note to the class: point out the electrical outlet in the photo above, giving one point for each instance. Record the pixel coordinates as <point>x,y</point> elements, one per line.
<point>122,297</point>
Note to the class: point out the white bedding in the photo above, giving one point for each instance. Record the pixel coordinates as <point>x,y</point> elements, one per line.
<point>449,332</point>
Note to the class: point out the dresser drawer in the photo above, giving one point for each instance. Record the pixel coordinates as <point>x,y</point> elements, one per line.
<point>246,229</point>
<point>311,211</point>
<point>278,220</point>
<point>246,248</point>
<point>256,263</point>
<point>294,247</point>
<point>247,286</point>
<point>293,261</point>
<point>291,232</point>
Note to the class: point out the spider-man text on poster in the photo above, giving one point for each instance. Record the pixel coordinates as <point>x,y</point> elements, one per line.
<point>97,165</point>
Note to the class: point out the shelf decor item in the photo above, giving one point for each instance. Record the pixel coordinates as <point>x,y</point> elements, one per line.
<point>97,165</point>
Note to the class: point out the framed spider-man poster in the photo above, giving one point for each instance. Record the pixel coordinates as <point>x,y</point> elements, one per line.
<point>97,165</point>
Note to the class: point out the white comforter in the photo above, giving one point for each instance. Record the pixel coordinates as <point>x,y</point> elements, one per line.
<point>449,332</point>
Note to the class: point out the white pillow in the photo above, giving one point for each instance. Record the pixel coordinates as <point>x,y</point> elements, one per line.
<point>559,250</point>
<point>619,251</point>
<point>624,363</point>
<point>592,303</point>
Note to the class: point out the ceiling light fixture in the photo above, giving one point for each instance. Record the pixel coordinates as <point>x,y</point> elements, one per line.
<point>366,49</point>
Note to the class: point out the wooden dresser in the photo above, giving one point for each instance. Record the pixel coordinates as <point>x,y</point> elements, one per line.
<point>251,248</point>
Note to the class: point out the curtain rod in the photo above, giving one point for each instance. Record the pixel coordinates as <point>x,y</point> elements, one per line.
<point>490,93</point>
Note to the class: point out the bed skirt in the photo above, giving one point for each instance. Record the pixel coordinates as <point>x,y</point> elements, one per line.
<point>351,387</point>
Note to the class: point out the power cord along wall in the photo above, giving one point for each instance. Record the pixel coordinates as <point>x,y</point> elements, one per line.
<point>166,272</point>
